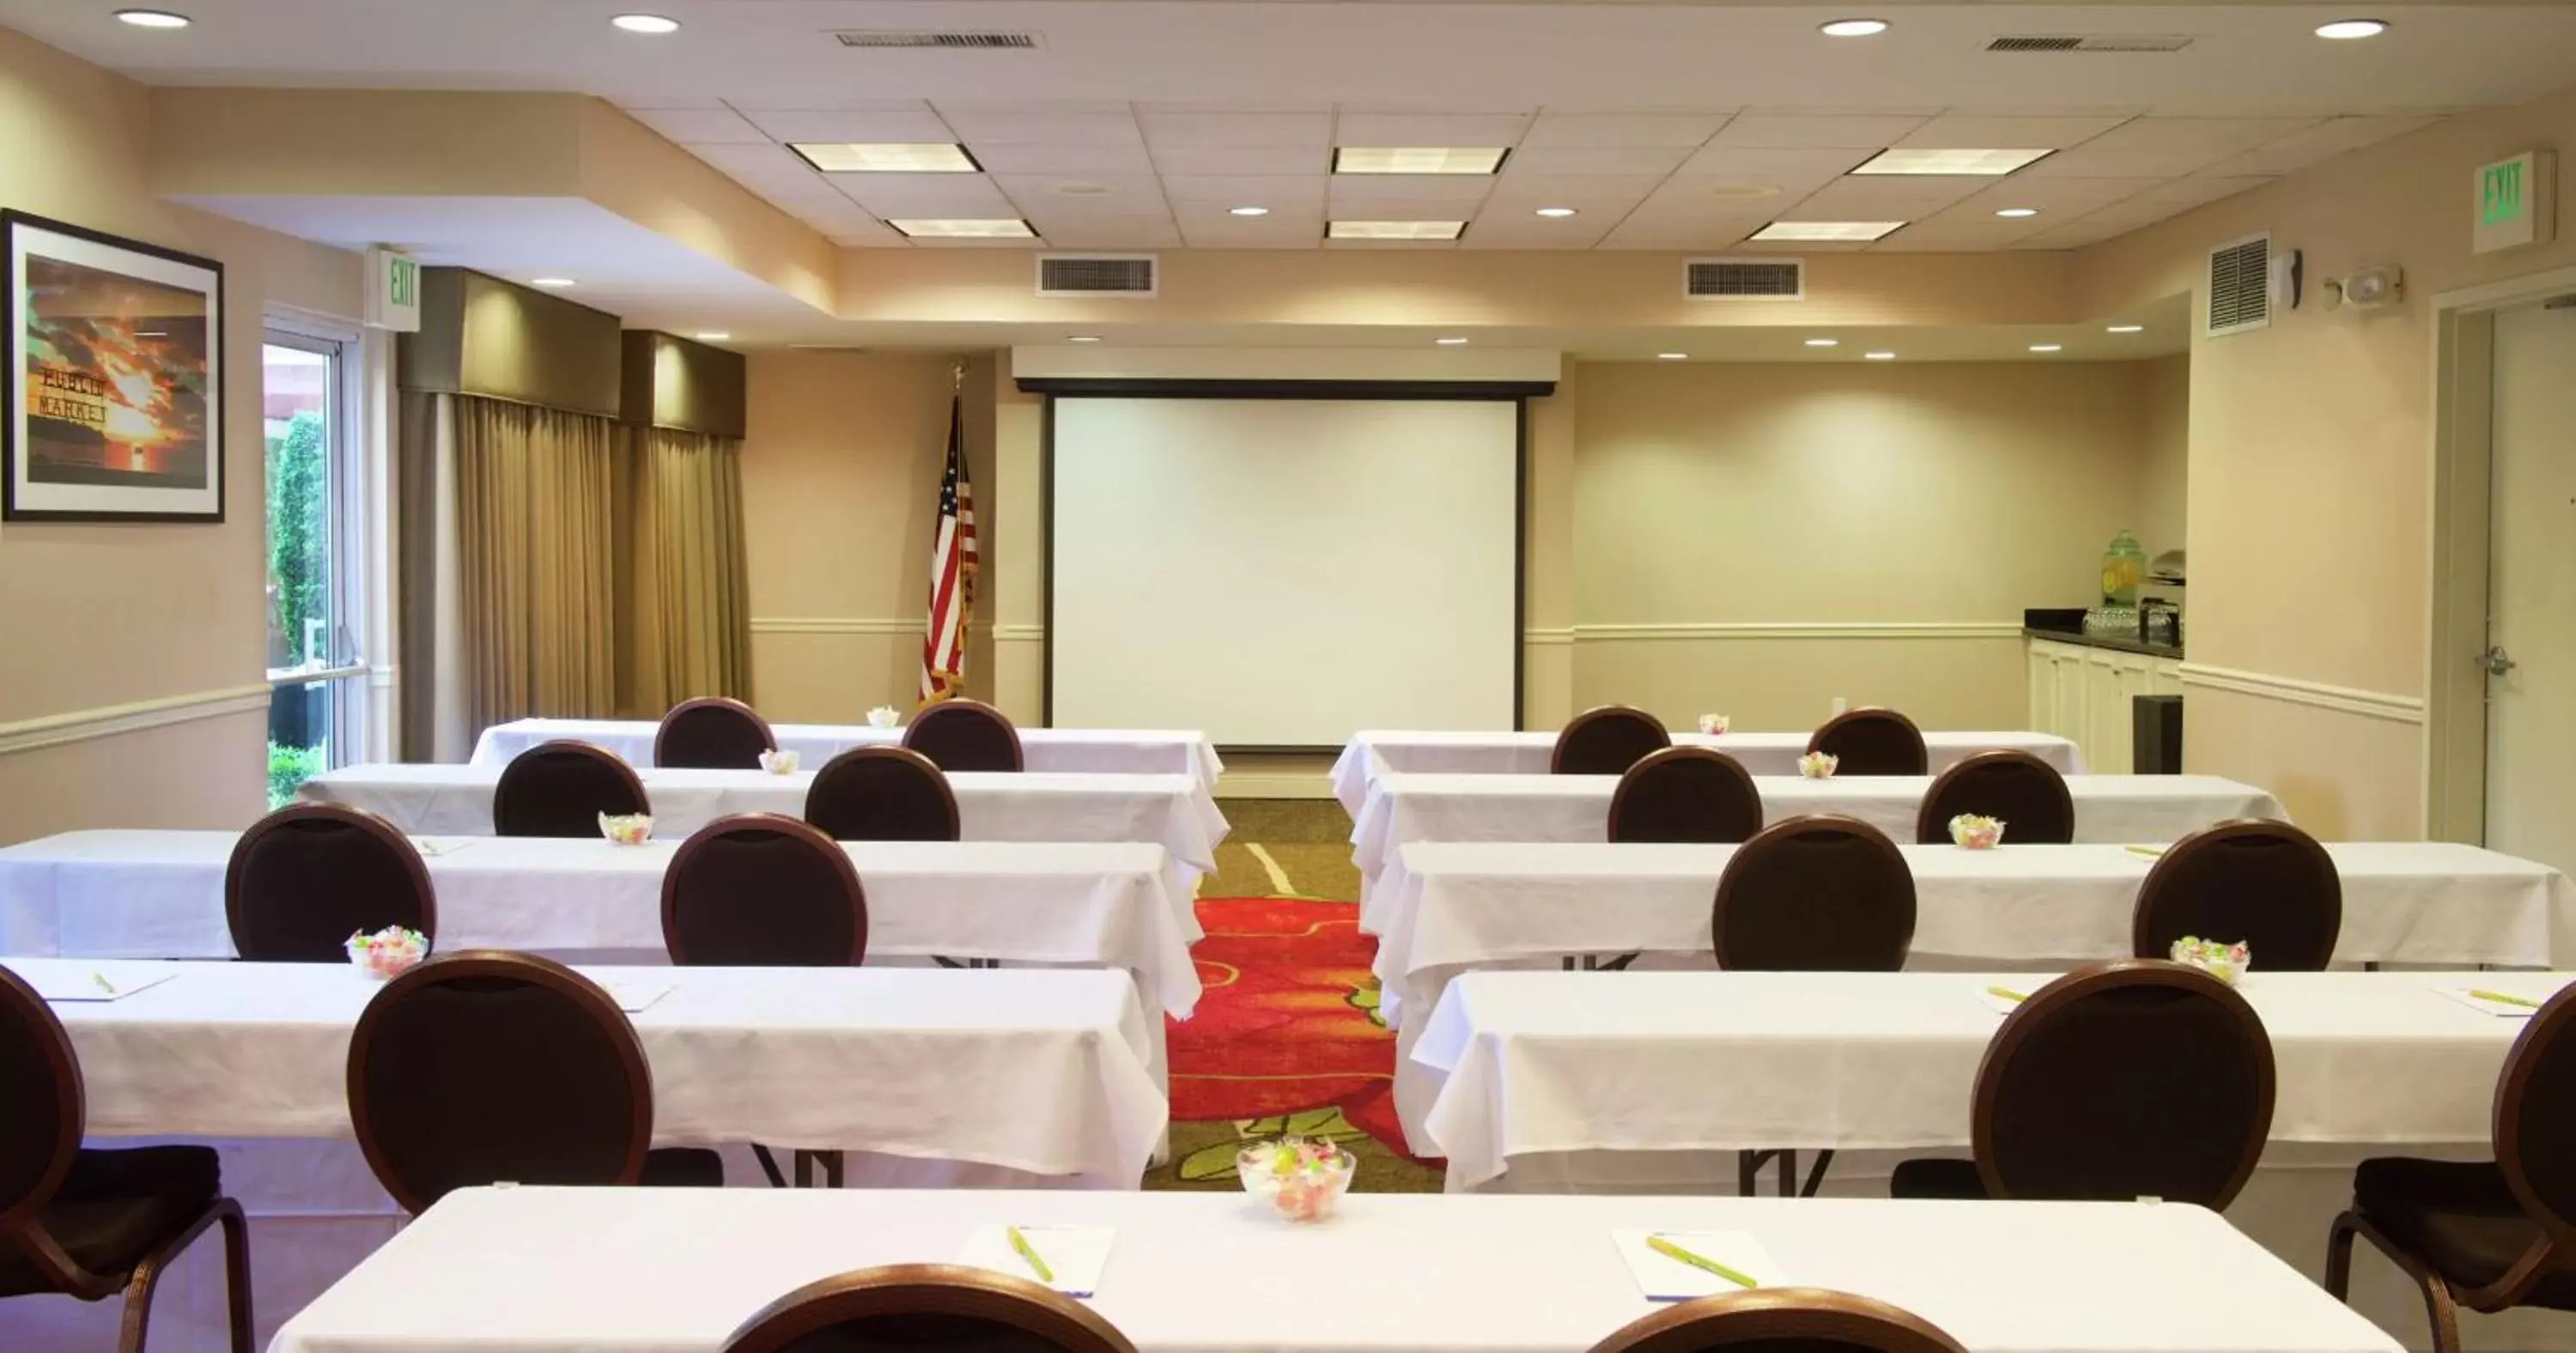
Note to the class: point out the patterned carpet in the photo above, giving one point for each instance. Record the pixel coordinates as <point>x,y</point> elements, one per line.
<point>1287,1037</point>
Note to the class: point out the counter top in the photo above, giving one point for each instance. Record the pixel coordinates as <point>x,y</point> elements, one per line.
<point>2123,644</point>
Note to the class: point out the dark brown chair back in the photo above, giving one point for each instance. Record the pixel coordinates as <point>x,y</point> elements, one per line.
<point>1607,740</point>
<point>959,734</point>
<point>560,788</point>
<point>2265,883</point>
<point>1822,893</point>
<point>926,1308</point>
<point>1872,741</point>
<point>2129,1079</point>
<point>1781,1320</point>
<point>882,794</point>
<point>1685,794</point>
<point>758,890</point>
<point>306,876</point>
<point>483,1066</point>
<point>2026,792</point>
<point>2535,1118</point>
<point>714,732</point>
<point>43,1106</point>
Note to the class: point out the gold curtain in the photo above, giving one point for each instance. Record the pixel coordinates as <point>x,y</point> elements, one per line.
<point>689,599</point>
<point>536,505</point>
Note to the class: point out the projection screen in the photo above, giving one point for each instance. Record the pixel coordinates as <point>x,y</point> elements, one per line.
<point>1284,572</point>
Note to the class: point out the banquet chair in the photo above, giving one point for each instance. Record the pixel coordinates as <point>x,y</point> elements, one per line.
<point>1606,740</point>
<point>1688,794</point>
<point>1780,1320</point>
<point>560,788</point>
<point>2135,1078</point>
<point>926,1308</point>
<point>2026,792</point>
<point>2485,1236</point>
<point>88,1224</point>
<point>2267,884</point>
<point>882,794</point>
<point>959,734</point>
<point>1872,741</point>
<point>484,1066</point>
<point>713,732</point>
<point>303,878</point>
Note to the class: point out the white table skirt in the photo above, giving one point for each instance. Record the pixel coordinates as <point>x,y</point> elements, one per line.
<point>666,1271</point>
<point>1041,1070</point>
<point>1450,907</point>
<point>1538,1063</point>
<point>1173,811</point>
<point>1377,752</point>
<point>1403,809</point>
<point>1099,751</point>
<point>160,894</point>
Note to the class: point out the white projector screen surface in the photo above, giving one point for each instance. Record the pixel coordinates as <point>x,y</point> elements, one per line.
<point>1284,573</point>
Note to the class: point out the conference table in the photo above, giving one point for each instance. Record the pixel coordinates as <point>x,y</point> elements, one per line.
<point>1103,751</point>
<point>1175,811</point>
<point>1375,752</point>
<point>1402,809</point>
<point>545,1270</point>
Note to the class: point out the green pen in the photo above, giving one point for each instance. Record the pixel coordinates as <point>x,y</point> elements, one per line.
<point>2151,852</point>
<point>2502,999</point>
<point>1670,1250</point>
<point>2008,994</point>
<point>1020,1244</point>
<point>103,984</point>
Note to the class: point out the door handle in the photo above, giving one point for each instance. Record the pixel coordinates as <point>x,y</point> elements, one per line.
<point>2497,662</point>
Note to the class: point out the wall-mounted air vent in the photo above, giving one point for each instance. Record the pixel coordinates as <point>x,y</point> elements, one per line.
<point>2240,286</point>
<point>2093,42</point>
<point>1744,279</point>
<point>954,42</point>
<point>1096,275</point>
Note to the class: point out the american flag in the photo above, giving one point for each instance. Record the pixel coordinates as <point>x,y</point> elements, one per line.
<point>952,575</point>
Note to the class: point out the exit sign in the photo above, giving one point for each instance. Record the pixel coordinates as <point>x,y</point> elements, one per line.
<point>2516,203</point>
<point>393,291</point>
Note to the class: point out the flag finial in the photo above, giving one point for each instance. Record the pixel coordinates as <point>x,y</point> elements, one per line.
<point>957,377</point>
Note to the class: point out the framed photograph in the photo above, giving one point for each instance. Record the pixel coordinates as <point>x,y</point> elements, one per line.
<point>114,359</point>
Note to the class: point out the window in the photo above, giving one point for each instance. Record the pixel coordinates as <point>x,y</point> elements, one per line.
<point>315,673</point>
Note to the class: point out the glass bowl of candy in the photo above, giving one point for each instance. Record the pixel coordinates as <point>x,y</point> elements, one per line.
<point>1302,1179</point>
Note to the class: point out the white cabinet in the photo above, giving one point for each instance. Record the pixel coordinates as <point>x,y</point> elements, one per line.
<point>2083,693</point>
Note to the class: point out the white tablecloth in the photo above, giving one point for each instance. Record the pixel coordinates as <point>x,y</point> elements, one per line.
<point>160,894</point>
<point>1402,809</point>
<point>1042,1070</point>
<point>1454,906</point>
<point>1099,751</point>
<point>1173,811</point>
<point>668,1271</point>
<point>1668,1061</point>
<point>1376,752</point>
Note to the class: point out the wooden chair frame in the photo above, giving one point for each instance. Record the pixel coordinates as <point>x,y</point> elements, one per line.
<point>1867,714</point>
<point>1780,1314</point>
<point>385,833</point>
<point>1599,714</point>
<point>958,706</point>
<point>1932,826</point>
<point>1736,775</point>
<point>928,768</point>
<point>2159,882</point>
<point>928,1289</point>
<point>565,747</point>
<point>662,731</point>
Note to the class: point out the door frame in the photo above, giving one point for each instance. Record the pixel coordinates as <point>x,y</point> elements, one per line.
<point>2455,684</point>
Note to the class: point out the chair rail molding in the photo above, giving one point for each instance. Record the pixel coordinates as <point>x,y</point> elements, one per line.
<point>2394,708</point>
<point>1821,629</point>
<point>81,725</point>
<point>836,624</point>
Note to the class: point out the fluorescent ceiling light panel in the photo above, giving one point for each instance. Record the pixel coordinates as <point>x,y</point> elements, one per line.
<point>1925,160</point>
<point>1417,159</point>
<point>151,18</point>
<point>1394,230</point>
<point>1007,228</point>
<point>714,336</point>
<point>646,23</point>
<point>1829,231</point>
<point>2346,30</point>
<point>1556,213</point>
<point>2048,347</point>
<point>1247,211</point>
<point>2017,213</point>
<point>1672,356</point>
<point>1879,356</point>
<point>886,157</point>
<point>1853,28</point>
<point>2126,329</point>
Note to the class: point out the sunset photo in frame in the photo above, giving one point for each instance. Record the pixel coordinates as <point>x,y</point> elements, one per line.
<point>114,365</point>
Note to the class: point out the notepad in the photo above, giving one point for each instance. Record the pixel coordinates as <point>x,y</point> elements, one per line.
<point>1662,1277</point>
<point>2502,1009</point>
<point>97,983</point>
<point>1075,1254</point>
<point>637,997</point>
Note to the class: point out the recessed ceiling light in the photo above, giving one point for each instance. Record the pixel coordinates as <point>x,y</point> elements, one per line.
<point>2048,347</point>
<point>1394,230</point>
<point>1672,356</point>
<point>1005,228</point>
<point>1082,338</point>
<point>152,18</point>
<point>2016,213</point>
<point>1417,159</point>
<point>1853,28</point>
<point>646,23</point>
<point>1879,356</point>
<point>1556,213</point>
<point>714,336</point>
<point>886,157</point>
<point>1828,231</point>
<point>1913,160</point>
<point>550,282</point>
<point>1247,211</point>
<point>2344,30</point>
<point>2126,329</point>
<point>1824,342</point>
<point>1451,341</point>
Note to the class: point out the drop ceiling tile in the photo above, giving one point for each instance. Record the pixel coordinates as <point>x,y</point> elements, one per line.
<point>2073,235</point>
<point>2225,135</point>
<point>875,235</point>
<point>1885,199</point>
<point>1547,160</point>
<point>766,158</point>
<point>1960,131</point>
<point>2319,143</point>
<point>2092,161</point>
<point>1237,160</point>
<point>1803,131</point>
<point>1964,237</point>
<point>1281,193</point>
<point>843,217</point>
<point>700,126</point>
<point>807,103</point>
<point>2193,192</point>
<point>1702,200</point>
<point>979,128</point>
<point>654,101</point>
<point>1417,245</point>
<point>1279,230</point>
<point>1585,192</point>
<point>1430,129</point>
<point>2054,197</point>
<point>1383,192</point>
<point>1112,232</point>
<point>1530,232</point>
<point>1703,240</point>
<point>1031,107</point>
<point>926,196</point>
<point>1771,164</point>
<point>1031,244</point>
<point>918,127</point>
<point>1682,130</point>
<point>1064,159</point>
<point>1238,129</point>
<point>1092,195</point>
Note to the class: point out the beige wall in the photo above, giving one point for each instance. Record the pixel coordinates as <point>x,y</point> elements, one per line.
<point>166,616</point>
<point>2164,473</point>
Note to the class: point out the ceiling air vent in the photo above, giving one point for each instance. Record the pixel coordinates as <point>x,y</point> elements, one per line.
<point>1744,279</point>
<point>2097,42</point>
<point>1096,275</point>
<point>955,42</point>
<point>2240,286</point>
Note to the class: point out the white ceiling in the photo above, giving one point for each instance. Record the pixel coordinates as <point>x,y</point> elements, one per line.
<point>1137,123</point>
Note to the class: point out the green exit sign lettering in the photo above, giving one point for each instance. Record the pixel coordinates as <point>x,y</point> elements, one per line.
<point>2516,201</point>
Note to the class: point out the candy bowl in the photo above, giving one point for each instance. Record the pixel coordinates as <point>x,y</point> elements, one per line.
<point>779,763</point>
<point>388,953</point>
<point>627,829</point>
<point>1971,831</point>
<point>2226,962</point>
<point>1303,1179</point>
<point>1818,765</point>
<point>1712,724</point>
<point>884,716</point>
